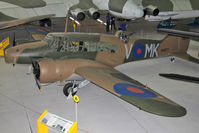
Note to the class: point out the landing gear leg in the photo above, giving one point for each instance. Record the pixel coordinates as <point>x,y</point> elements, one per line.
<point>70,89</point>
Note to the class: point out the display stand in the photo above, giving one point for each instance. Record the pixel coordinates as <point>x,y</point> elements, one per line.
<point>76,100</point>
<point>61,125</point>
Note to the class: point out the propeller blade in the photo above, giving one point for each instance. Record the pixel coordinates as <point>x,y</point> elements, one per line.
<point>36,75</point>
<point>38,84</point>
<point>14,41</point>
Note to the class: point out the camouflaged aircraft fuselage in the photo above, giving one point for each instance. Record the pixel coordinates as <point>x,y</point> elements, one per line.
<point>107,49</point>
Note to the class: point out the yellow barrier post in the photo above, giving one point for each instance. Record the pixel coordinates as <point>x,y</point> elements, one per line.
<point>76,100</point>
<point>74,27</point>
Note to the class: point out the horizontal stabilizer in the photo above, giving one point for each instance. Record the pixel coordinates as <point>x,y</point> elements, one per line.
<point>185,56</point>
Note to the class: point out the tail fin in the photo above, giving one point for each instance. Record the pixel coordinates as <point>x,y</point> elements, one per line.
<point>178,47</point>
<point>176,44</point>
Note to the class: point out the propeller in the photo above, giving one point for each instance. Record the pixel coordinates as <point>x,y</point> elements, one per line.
<point>14,41</point>
<point>38,83</point>
<point>36,72</point>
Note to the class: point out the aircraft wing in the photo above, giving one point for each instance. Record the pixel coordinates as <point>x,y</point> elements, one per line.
<point>131,91</point>
<point>12,23</point>
<point>173,15</point>
<point>175,32</point>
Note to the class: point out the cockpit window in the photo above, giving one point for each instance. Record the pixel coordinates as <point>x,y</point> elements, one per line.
<point>63,45</point>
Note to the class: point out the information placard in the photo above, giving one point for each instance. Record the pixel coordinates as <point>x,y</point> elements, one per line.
<point>59,124</point>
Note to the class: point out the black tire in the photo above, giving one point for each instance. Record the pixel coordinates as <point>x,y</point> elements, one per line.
<point>67,88</point>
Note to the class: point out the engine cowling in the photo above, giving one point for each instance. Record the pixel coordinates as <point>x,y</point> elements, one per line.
<point>78,13</point>
<point>151,10</point>
<point>94,13</point>
<point>49,71</point>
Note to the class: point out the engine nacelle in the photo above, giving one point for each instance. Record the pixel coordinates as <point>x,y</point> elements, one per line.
<point>94,13</point>
<point>49,71</point>
<point>78,13</point>
<point>151,10</point>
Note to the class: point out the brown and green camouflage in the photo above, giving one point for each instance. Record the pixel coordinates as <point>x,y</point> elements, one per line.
<point>94,56</point>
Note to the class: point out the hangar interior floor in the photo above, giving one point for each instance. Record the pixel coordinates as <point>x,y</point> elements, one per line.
<point>21,103</point>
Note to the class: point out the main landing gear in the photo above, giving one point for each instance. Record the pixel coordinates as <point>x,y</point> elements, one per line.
<point>70,88</point>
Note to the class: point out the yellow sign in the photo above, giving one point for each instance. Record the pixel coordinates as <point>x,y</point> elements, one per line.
<point>56,123</point>
<point>41,128</point>
<point>76,98</point>
<point>3,45</point>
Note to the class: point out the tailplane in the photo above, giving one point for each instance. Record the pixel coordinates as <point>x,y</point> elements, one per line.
<point>178,46</point>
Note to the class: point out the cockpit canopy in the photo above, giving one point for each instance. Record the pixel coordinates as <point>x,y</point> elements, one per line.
<point>78,42</point>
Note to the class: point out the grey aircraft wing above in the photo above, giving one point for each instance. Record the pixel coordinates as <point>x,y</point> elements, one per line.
<point>174,9</point>
<point>16,22</point>
<point>34,9</point>
<point>125,9</point>
<point>15,12</point>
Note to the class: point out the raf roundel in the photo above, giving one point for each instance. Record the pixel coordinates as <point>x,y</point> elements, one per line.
<point>138,51</point>
<point>133,90</point>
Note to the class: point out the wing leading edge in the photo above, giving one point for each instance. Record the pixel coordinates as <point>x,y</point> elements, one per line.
<point>12,23</point>
<point>174,15</point>
<point>131,91</point>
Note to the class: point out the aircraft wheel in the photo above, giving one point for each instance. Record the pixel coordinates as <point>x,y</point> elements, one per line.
<point>69,88</point>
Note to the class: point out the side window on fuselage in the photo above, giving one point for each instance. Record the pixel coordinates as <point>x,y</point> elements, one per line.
<point>96,46</point>
<point>83,46</point>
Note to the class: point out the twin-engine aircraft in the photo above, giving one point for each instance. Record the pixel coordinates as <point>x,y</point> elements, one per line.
<point>93,56</point>
<point>14,13</point>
